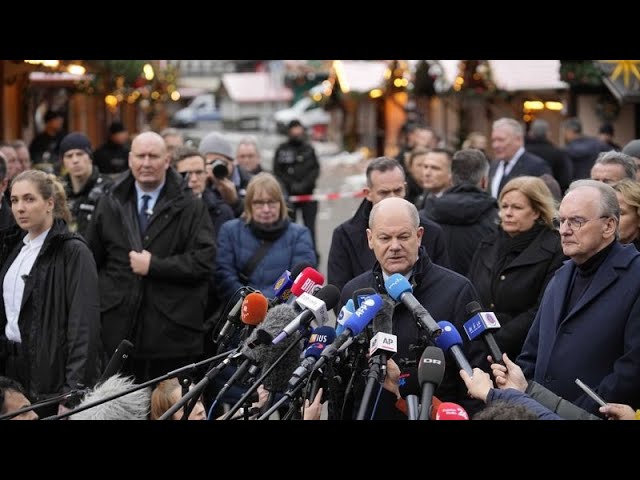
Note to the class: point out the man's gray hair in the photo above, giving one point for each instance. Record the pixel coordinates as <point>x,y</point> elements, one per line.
<point>609,206</point>
<point>613,157</point>
<point>133,406</point>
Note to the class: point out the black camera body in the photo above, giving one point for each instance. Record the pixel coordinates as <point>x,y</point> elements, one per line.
<point>220,170</point>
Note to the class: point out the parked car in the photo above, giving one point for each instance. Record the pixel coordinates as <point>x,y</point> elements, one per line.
<point>202,108</point>
<point>306,110</point>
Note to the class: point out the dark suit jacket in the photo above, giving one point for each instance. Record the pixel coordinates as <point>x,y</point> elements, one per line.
<point>528,164</point>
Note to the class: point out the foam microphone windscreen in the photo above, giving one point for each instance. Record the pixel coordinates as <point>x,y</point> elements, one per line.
<point>266,355</point>
<point>432,366</point>
<point>382,322</point>
<point>473,307</point>
<point>298,268</point>
<point>254,308</point>
<point>451,411</point>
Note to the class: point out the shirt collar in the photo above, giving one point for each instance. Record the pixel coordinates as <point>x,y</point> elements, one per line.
<point>36,242</point>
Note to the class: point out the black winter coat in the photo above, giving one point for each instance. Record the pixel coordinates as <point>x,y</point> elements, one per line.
<point>514,292</point>
<point>466,215</point>
<point>60,315</point>
<point>445,295</point>
<point>162,313</point>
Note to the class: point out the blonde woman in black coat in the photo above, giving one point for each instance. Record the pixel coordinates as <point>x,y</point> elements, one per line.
<point>511,268</point>
<point>50,309</point>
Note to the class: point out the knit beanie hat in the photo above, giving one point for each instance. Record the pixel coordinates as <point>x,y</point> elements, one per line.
<point>75,140</point>
<point>216,143</point>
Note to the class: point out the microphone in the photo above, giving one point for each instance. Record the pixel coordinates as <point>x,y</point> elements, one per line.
<point>352,327</point>
<point>451,411</point>
<point>309,280</point>
<point>408,386</point>
<point>382,342</point>
<point>233,318</point>
<point>451,341</point>
<point>282,288</point>
<point>400,290</point>
<point>320,338</point>
<point>254,309</point>
<point>314,307</point>
<point>117,360</point>
<point>430,374</point>
<point>345,312</point>
<point>361,294</point>
<point>481,325</point>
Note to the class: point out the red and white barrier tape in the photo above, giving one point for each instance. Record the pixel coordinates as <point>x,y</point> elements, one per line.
<point>325,196</point>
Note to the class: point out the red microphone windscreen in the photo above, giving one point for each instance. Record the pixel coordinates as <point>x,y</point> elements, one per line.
<point>254,308</point>
<point>451,411</point>
<point>306,281</point>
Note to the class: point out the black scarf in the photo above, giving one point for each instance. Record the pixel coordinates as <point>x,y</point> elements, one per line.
<point>510,247</point>
<point>271,232</point>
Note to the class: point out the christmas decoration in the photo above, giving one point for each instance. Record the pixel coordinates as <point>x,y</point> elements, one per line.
<point>624,67</point>
<point>474,79</point>
<point>580,72</point>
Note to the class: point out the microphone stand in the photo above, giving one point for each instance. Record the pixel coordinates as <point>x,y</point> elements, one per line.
<point>194,393</point>
<point>264,375</point>
<point>173,373</point>
<point>376,370</point>
<point>43,403</point>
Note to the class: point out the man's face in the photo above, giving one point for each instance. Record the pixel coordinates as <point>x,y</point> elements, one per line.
<point>193,169</point>
<point>395,240</point>
<point>386,184</point>
<point>247,157</point>
<point>504,143</point>
<point>148,161</point>
<point>78,163</point>
<point>582,205</point>
<point>607,173</point>
<point>437,172</point>
<point>14,166</point>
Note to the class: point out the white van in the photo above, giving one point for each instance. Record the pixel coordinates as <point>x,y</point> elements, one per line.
<point>307,110</point>
<point>202,108</point>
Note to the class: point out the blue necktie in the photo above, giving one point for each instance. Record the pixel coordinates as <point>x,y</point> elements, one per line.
<point>143,216</point>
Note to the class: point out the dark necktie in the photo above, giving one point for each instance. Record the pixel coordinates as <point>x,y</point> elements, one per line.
<point>504,177</point>
<point>143,215</point>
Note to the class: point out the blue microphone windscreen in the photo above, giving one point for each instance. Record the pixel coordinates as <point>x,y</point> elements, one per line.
<point>320,338</point>
<point>396,285</point>
<point>363,315</point>
<point>449,336</point>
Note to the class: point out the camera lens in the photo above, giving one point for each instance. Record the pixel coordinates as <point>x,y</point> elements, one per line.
<point>220,169</point>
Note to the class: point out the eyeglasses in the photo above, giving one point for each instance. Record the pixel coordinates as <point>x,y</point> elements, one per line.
<point>262,203</point>
<point>574,223</point>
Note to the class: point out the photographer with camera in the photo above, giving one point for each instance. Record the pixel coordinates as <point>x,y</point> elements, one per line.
<point>83,183</point>
<point>224,176</point>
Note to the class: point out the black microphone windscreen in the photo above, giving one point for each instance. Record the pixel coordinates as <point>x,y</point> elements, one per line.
<point>117,360</point>
<point>277,318</point>
<point>473,307</point>
<point>432,365</point>
<point>298,268</point>
<point>382,322</point>
<point>361,294</point>
<point>330,295</point>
